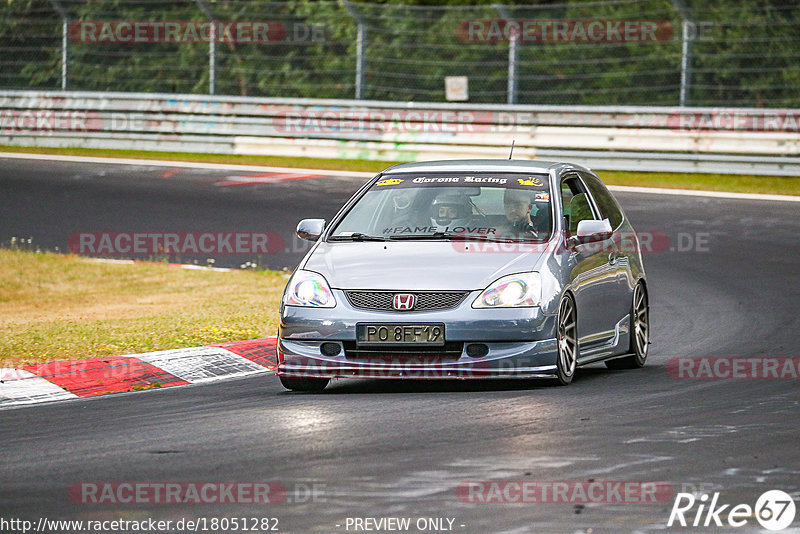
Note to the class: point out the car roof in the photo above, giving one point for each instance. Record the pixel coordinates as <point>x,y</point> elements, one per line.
<point>483,165</point>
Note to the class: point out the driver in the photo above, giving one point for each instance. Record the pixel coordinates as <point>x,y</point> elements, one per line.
<point>451,209</point>
<point>523,215</point>
<point>517,204</point>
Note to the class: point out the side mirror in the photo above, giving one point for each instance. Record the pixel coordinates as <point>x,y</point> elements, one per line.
<point>590,231</point>
<point>310,229</point>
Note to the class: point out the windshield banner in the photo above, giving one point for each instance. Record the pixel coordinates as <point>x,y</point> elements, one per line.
<point>507,181</point>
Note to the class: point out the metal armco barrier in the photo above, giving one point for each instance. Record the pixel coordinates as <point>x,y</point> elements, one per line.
<point>659,139</point>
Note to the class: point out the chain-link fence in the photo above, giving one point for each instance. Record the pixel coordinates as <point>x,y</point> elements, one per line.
<point>648,52</point>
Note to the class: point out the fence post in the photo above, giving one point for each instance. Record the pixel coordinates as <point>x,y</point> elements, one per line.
<point>64,43</point>
<point>686,50</point>
<point>361,43</point>
<point>513,51</point>
<point>212,47</point>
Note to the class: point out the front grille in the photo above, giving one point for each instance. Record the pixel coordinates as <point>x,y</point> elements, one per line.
<point>448,352</point>
<point>426,300</point>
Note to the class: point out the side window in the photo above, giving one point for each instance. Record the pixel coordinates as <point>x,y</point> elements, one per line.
<point>575,203</point>
<point>566,197</point>
<point>605,202</point>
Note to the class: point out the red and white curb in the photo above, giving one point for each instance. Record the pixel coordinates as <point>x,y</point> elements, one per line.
<point>64,380</point>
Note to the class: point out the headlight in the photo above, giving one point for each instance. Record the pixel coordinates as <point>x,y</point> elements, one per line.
<point>309,289</point>
<point>512,291</point>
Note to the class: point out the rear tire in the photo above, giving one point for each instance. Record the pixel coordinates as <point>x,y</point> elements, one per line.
<point>639,332</point>
<point>304,384</point>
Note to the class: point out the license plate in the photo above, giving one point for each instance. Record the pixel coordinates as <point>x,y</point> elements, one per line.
<point>408,334</point>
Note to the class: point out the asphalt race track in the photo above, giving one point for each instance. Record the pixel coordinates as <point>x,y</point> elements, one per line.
<point>400,449</point>
<point>50,201</point>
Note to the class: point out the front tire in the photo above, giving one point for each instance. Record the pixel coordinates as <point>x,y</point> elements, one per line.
<point>639,333</point>
<point>304,384</point>
<point>567,341</point>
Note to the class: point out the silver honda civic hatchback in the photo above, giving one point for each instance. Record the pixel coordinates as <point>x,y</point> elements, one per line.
<point>466,269</point>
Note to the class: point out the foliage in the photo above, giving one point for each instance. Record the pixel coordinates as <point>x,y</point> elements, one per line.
<point>746,54</point>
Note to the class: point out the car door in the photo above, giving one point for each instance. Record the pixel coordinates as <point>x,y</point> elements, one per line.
<point>619,256</point>
<point>592,277</point>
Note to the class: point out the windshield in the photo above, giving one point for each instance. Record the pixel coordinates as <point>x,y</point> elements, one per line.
<point>486,206</point>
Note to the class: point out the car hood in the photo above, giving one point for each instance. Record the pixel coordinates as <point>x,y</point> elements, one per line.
<point>418,265</point>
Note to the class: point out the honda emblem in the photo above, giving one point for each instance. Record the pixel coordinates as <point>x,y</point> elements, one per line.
<point>404,301</point>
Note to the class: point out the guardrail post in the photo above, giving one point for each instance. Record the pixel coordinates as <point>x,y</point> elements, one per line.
<point>361,43</point>
<point>212,47</point>
<point>64,43</point>
<point>686,50</point>
<point>513,51</point>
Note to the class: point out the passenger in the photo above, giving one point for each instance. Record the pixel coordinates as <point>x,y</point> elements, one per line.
<point>451,209</point>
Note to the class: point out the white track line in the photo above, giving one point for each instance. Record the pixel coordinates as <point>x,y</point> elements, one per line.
<point>697,193</point>
<point>188,266</point>
<point>258,168</point>
<point>181,164</point>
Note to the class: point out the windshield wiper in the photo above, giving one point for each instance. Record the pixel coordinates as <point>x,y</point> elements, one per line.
<point>356,236</point>
<point>450,236</point>
<point>435,235</point>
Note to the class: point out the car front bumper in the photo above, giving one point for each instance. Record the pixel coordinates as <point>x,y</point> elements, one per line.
<point>519,342</point>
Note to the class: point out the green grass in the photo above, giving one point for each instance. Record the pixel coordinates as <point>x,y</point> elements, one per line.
<point>60,307</point>
<point>779,185</point>
<point>745,183</point>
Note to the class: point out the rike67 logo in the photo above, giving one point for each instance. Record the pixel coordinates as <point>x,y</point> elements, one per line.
<point>774,510</point>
